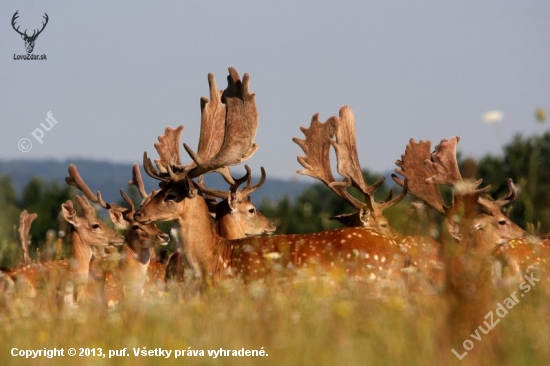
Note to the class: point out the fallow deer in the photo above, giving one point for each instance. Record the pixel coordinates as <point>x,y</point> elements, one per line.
<point>235,216</point>
<point>140,239</point>
<point>86,231</point>
<point>339,132</point>
<point>476,222</point>
<point>520,257</point>
<point>358,251</point>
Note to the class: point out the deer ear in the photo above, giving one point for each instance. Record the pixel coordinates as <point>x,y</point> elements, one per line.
<point>118,219</point>
<point>454,229</point>
<point>23,36</point>
<point>69,214</point>
<point>232,201</point>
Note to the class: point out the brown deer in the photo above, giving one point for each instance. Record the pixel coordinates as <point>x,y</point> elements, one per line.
<point>520,257</point>
<point>357,251</point>
<point>235,216</point>
<point>339,132</point>
<point>86,231</point>
<point>140,239</point>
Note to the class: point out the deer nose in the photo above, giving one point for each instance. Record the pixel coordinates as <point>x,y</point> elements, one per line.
<point>164,237</point>
<point>271,228</point>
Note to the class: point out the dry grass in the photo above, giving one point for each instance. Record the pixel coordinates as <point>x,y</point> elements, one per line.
<point>323,320</point>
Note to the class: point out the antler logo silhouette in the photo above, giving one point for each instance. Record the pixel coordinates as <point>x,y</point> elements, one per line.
<point>29,40</point>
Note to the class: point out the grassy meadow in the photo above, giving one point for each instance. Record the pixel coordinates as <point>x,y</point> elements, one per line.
<point>310,318</point>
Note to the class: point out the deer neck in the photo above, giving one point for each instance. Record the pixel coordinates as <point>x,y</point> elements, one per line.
<point>133,267</point>
<point>132,259</point>
<point>230,228</point>
<point>198,235</point>
<point>82,254</point>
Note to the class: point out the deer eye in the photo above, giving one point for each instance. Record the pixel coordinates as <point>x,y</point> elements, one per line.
<point>170,197</point>
<point>252,210</point>
<point>502,222</point>
<point>136,227</point>
<point>95,226</point>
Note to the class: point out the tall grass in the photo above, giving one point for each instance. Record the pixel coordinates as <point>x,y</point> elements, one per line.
<point>309,320</point>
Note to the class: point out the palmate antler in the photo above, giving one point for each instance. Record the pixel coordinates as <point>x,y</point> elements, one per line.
<point>222,142</point>
<point>413,168</point>
<point>424,172</point>
<point>339,132</point>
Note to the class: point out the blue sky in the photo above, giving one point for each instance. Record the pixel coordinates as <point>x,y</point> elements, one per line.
<point>117,73</point>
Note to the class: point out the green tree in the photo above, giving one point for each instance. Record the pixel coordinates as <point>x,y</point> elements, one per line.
<point>9,220</point>
<point>45,199</point>
<point>527,161</point>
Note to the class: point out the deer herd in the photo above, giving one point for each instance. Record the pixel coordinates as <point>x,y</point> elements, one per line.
<point>222,235</point>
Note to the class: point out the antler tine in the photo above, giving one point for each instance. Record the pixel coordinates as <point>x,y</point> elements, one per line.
<point>412,168</point>
<point>241,123</point>
<point>210,192</point>
<point>389,202</point>
<point>511,195</point>
<point>221,193</point>
<point>75,180</point>
<point>316,161</point>
<point>247,177</point>
<point>86,207</point>
<point>151,170</point>
<point>138,181</point>
<point>25,221</point>
<point>128,200</point>
<point>494,206</point>
<point>248,190</point>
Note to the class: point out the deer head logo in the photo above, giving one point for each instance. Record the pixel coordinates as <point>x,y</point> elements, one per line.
<point>29,40</point>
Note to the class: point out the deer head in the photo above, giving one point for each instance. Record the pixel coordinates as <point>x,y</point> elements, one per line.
<point>236,216</point>
<point>142,235</point>
<point>29,40</point>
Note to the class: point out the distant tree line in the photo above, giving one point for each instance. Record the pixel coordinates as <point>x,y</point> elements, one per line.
<point>43,198</point>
